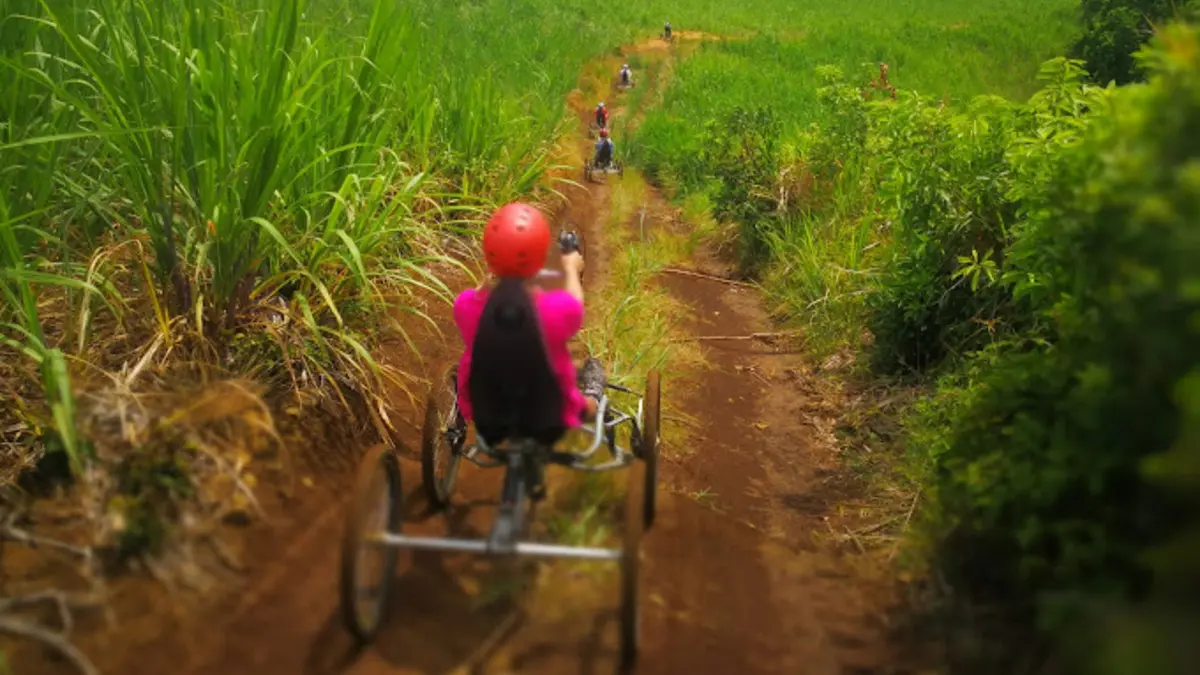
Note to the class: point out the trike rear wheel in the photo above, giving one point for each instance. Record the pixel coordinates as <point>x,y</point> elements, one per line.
<point>631,549</point>
<point>443,437</point>
<point>368,565</point>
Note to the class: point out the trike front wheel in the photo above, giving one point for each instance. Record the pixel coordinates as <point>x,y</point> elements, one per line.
<point>648,446</point>
<point>443,436</point>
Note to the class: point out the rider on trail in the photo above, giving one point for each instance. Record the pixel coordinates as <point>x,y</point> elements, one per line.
<point>601,115</point>
<point>604,151</point>
<point>667,30</point>
<point>516,336</point>
<point>625,75</point>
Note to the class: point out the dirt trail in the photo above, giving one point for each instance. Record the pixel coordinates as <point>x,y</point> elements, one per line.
<point>758,591</point>
<point>736,580</point>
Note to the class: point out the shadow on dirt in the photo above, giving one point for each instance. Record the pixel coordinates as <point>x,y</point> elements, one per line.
<point>551,654</point>
<point>434,624</point>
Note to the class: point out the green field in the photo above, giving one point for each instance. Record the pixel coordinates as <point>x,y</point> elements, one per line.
<point>945,49</point>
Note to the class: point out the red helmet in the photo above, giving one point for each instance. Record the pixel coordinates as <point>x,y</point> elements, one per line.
<point>604,133</point>
<point>515,240</point>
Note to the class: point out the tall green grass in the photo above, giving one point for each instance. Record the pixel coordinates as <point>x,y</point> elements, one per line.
<point>198,127</point>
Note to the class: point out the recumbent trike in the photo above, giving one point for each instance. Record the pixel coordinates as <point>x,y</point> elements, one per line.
<point>374,521</point>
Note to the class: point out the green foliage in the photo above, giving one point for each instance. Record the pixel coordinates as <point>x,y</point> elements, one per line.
<point>1114,30</point>
<point>952,184</point>
<point>741,152</point>
<point>943,189</point>
<point>226,152</point>
<point>1068,470</point>
<point>842,133</point>
<point>1158,636</point>
<point>944,48</point>
<point>811,72</point>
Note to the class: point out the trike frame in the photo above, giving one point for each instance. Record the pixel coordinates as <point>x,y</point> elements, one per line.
<point>524,462</point>
<point>614,166</point>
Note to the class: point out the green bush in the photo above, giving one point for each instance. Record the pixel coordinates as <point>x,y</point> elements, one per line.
<point>952,184</point>
<point>1041,497</point>
<point>741,152</point>
<point>1114,30</point>
<point>944,184</point>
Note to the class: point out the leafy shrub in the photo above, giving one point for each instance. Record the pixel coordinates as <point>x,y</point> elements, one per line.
<point>944,182</point>
<point>1114,30</point>
<point>842,135</point>
<point>1040,491</point>
<point>741,152</point>
<point>952,185</point>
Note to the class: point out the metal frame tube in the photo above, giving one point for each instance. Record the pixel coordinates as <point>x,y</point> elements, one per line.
<point>494,457</point>
<point>522,548</point>
<point>596,430</point>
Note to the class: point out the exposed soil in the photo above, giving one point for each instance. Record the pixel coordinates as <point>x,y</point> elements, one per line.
<point>761,590</point>
<point>739,576</point>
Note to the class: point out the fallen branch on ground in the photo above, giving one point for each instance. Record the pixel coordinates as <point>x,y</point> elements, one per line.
<point>907,519</point>
<point>710,277</point>
<point>55,639</point>
<point>764,337</point>
<point>876,527</point>
<point>11,532</point>
<point>63,603</point>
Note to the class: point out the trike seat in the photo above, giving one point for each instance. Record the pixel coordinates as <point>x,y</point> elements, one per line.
<point>604,155</point>
<point>591,380</point>
<point>514,392</point>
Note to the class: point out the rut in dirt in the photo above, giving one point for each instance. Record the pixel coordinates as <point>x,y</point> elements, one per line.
<point>739,578</point>
<point>735,579</point>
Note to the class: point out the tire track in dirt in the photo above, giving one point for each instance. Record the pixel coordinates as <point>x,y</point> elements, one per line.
<point>740,578</point>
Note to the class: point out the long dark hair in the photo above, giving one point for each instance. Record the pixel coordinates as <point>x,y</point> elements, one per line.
<point>514,392</point>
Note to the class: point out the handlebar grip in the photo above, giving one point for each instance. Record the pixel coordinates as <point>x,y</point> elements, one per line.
<point>568,242</point>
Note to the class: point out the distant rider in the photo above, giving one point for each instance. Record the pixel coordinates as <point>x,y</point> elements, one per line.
<point>601,116</point>
<point>667,30</point>
<point>625,75</point>
<point>604,151</point>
